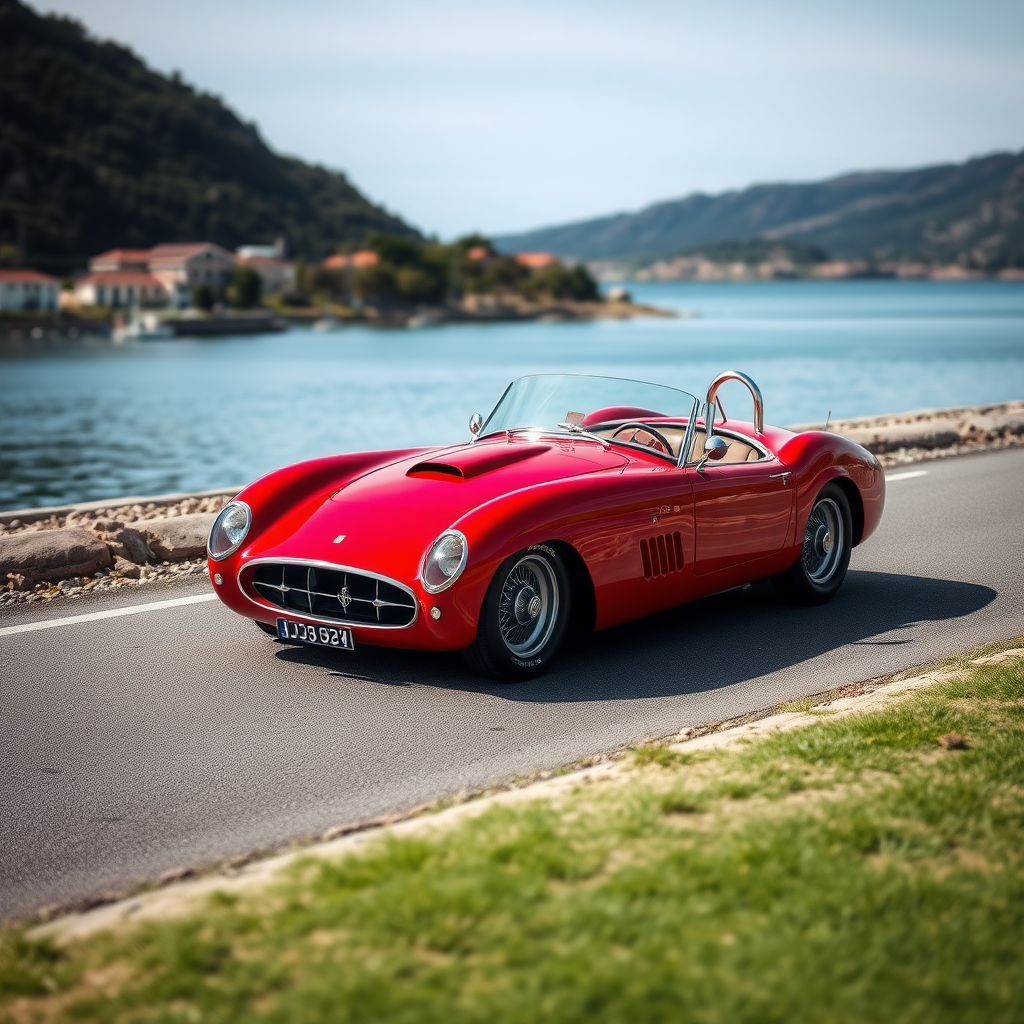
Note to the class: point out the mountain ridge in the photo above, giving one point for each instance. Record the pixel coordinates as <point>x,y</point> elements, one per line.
<point>971,212</point>
<point>97,151</point>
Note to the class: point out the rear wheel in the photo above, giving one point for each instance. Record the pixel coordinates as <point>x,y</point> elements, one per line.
<point>824,558</point>
<point>524,616</point>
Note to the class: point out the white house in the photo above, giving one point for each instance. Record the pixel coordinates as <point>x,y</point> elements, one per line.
<point>276,275</point>
<point>182,266</point>
<point>28,290</point>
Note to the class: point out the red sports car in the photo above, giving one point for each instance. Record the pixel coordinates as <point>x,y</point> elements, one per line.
<point>581,502</point>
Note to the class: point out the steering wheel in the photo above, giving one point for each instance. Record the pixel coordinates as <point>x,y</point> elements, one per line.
<point>657,439</point>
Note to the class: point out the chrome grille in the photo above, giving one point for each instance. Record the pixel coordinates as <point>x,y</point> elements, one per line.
<point>662,554</point>
<point>341,595</point>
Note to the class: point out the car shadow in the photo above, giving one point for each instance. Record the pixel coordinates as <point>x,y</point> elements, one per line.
<point>695,647</point>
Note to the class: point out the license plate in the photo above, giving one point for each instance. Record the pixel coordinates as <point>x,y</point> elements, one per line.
<point>322,636</point>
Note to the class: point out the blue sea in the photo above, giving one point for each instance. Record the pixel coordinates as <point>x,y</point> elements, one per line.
<point>92,419</point>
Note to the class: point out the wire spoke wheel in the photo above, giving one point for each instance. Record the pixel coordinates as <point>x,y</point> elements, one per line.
<point>820,568</point>
<point>823,541</point>
<point>528,606</point>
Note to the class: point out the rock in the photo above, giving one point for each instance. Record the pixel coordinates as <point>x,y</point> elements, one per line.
<point>15,581</point>
<point>128,569</point>
<point>905,435</point>
<point>175,875</point>
<point>53,554</point>
<point>989,427</point>
<point>123,541</point>
<point>175,538</point>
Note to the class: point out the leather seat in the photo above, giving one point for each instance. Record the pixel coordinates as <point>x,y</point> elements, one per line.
<point>738,451</point>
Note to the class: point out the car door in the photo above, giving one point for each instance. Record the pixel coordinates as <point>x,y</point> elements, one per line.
<point>639,550</point>
<point>742,512</point>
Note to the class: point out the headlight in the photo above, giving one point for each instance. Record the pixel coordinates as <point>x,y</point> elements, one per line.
<point>229,530</point>
<point>444,561</point>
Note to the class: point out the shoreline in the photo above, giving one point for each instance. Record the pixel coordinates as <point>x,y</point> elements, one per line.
<point>68,325</point>
<point>86,547</point>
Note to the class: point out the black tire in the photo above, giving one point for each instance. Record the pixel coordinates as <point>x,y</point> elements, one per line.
<point>524,616</point>
<point>267,628</point>
<point>820,569</point>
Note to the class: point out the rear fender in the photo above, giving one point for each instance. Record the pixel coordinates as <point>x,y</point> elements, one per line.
<point>818,458</point>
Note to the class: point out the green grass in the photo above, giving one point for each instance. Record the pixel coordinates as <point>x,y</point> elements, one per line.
<point>850,871</point>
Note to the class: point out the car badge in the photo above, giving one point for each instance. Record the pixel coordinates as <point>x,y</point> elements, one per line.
<point>344,598</point>
<point>339,538</point>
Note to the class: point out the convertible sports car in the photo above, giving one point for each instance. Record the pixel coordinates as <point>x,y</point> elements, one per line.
<point>581,502</point>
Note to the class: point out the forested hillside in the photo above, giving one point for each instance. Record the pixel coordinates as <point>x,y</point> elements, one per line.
<point>98,151</point>
<point>970,213</point>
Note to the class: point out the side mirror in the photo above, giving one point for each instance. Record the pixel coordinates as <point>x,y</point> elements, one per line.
<point>476,421</point>
<point>715,448</point>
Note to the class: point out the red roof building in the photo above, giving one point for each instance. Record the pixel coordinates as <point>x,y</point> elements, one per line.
<point>23,289</point>
<point>536,260</point>
<point>356,260</point>
<point>120,259</point>
<point>181,267</point>
<point>120,289</point>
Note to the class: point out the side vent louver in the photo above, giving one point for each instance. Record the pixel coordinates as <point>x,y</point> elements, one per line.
<point>662,554</point>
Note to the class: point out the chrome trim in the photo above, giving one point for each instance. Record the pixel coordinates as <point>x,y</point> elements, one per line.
<point>245,533</point>
<point>691,426</point>
<point>755,393</point>
<point>455,575</point>
<point>766,452</point>
<point>314,563</point>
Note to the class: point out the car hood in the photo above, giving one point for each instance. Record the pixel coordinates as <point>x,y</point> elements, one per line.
<point>383,520</point>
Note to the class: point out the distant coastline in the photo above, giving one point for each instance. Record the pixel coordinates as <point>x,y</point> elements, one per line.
<point>781,268</point>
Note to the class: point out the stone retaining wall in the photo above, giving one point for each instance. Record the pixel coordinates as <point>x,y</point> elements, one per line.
<point>73,549</point>
<point>898,438</point>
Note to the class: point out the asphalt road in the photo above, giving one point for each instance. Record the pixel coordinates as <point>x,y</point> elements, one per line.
<point>136,743</point>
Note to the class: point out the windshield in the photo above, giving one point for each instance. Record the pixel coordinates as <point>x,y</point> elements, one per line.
<point>574,403</point>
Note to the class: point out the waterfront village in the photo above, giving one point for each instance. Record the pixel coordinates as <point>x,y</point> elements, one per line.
<point>202,287</point>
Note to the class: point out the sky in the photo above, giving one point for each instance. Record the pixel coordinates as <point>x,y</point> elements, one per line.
<point>504,115</point>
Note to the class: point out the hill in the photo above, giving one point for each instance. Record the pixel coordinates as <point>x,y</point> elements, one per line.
<point>98,151</point>
<point>972,213</point>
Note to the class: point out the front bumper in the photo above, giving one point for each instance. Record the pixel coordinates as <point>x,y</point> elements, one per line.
<point>451,627</point>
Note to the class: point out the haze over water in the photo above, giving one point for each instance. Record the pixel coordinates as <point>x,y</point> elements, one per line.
<point>89,420</point>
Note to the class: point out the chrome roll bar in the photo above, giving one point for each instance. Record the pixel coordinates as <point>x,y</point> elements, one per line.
<point>755,392</point>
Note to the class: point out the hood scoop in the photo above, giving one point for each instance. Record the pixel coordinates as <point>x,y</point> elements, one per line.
<point>472,462</point>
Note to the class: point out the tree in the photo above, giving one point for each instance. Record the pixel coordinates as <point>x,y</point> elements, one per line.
<point>244,289</point>
<point>558,282</point>
<point>418,285</point>
<point>375,282</point>
<point>203,297</point>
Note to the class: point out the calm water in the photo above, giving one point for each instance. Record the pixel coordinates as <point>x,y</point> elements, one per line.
<point>91,419</point>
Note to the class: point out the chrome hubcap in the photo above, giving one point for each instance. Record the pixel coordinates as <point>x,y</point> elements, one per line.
<point>528,607</point>
<point>823,541</point>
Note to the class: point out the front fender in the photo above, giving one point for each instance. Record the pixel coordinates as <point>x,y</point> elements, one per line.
<point>281,501</point>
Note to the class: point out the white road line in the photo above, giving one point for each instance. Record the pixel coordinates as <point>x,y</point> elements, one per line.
<point>908,475</point>
<point>110,613</point>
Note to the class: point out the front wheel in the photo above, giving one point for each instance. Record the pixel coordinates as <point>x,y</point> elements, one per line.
<point>824,558</point>
<point>524,616</point>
